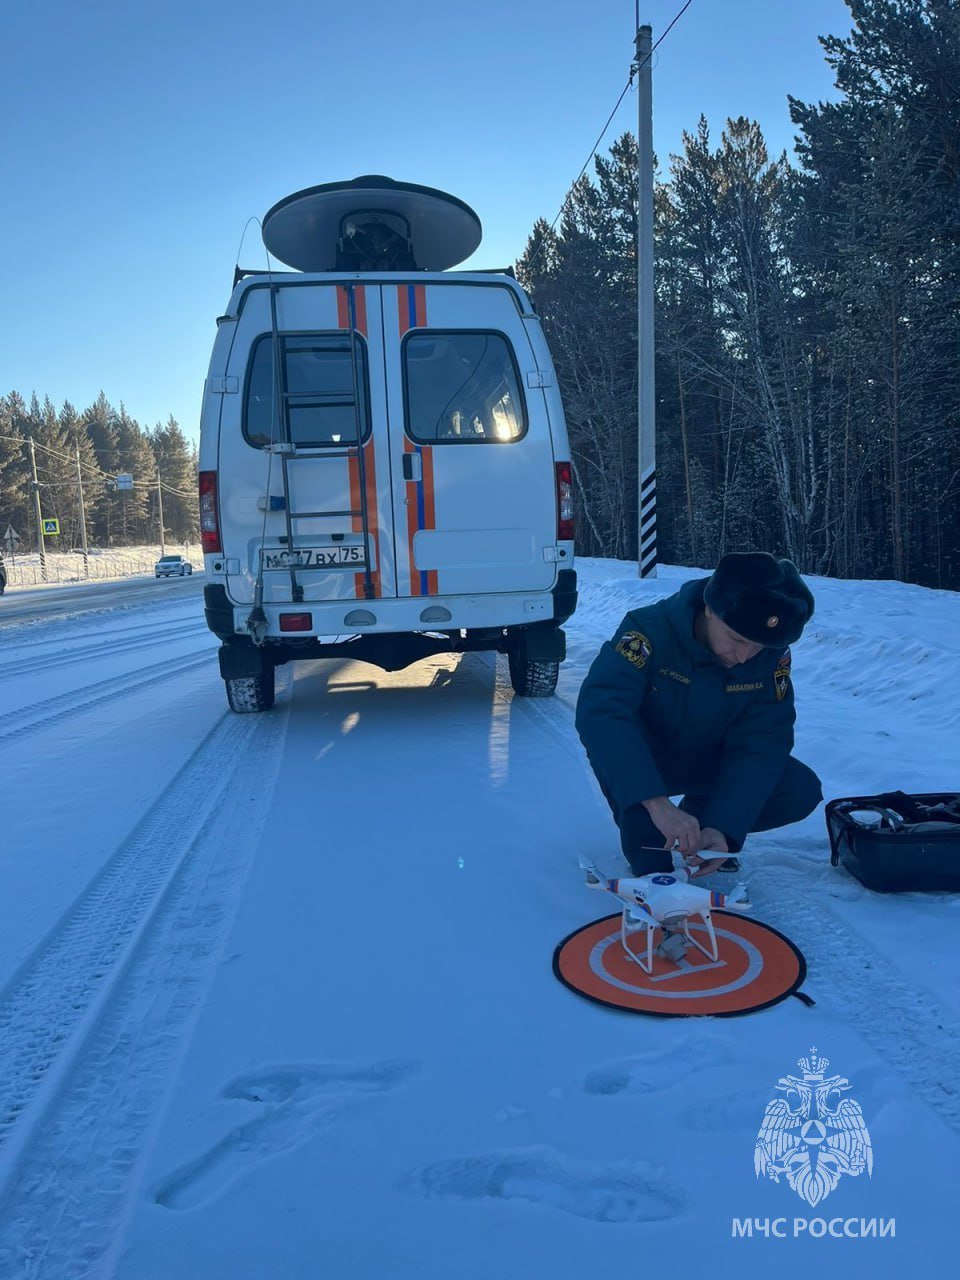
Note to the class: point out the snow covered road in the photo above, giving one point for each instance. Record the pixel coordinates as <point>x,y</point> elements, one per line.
<point>34,604</point>
<point>276,990</point>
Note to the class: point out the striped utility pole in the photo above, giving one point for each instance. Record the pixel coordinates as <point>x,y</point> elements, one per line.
<point>646,399</point>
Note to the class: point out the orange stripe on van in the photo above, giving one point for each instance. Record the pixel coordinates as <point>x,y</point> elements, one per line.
<point>369,453</point>
<point>429,511</point>
<point>370,467</point>
<point>356,523</point>
<point>413,520</point>
<point>360,307</point>
<point>421,512</point>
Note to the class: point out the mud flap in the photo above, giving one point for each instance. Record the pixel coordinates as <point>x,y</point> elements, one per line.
<point>238,660</point>
<point>541,644</point>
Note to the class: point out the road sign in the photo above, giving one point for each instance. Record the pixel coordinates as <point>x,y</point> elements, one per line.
<point>11,539</point>
<point>125,481</point>
<point>51,528</point>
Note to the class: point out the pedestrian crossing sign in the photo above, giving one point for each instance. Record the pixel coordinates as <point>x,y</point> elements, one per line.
<point>51,528</point>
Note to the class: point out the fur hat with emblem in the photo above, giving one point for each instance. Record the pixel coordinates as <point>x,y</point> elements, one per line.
<point>760,597</point>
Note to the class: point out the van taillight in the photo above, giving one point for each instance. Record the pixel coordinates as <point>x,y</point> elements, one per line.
<point>564,502</point>
<point>296,622</point>
<point>209,516</point>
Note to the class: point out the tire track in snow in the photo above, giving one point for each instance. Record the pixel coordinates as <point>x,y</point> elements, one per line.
<point>98,1017</point>
<point>41,715</point>
<point>53,990</point>
<point>904,1025</point>
<point>102,648</point>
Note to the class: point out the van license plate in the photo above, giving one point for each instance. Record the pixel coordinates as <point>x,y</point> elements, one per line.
<point>315,558</point>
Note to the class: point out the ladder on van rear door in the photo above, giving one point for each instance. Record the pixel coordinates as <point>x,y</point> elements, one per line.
<point>287,451</point>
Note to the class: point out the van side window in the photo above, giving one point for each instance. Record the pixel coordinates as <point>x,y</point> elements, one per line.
<point>461,387</point>
<point>317,393</point>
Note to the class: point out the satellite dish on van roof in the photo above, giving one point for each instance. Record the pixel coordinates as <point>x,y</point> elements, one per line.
<point>371,224</point>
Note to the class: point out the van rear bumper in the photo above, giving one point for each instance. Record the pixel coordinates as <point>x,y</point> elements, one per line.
<point>565,595</point>
<point>218,610</point>
<point>391,616</point>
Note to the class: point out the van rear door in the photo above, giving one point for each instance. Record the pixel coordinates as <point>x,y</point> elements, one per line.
<point>309,530</point>
<point>472,462</point>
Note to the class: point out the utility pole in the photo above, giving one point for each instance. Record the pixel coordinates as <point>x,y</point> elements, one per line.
<point>163,545</point>
<point>646,398</point>
<point>36,509</point>
<point>83,521</point>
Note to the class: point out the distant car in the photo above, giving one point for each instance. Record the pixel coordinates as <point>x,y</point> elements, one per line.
<point>173,567</point>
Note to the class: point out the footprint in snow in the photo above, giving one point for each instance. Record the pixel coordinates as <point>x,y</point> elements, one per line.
<point>293,1103</point>
<point>659,1070</point>
<point>541,1175</point>
<point>316,1079</point>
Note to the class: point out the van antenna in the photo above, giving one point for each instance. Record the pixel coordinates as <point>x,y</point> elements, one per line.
<point>243,237</point>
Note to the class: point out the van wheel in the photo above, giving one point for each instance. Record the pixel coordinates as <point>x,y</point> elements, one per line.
<point>251,693</point>
<point>533,679</point>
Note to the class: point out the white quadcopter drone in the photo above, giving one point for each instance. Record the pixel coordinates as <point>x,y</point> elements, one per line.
<point>665,901</point>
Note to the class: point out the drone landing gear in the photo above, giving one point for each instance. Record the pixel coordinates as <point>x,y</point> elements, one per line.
<point>676,939</point>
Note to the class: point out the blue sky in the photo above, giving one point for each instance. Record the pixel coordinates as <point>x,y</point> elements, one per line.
<point>137,140</point>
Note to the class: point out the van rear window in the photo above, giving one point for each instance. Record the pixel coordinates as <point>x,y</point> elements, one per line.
<point>461,388</point>
<point>317,393</point>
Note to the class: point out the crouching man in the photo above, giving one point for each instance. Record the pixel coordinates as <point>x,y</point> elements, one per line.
<point>692,697</point>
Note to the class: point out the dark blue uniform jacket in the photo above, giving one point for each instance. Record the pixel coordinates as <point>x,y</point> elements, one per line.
<point>658,706</point>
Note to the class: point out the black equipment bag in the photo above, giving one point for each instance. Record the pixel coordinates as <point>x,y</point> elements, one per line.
<point>896,842</point>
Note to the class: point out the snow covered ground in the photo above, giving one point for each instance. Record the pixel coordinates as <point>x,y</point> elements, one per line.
<point>277,997</point>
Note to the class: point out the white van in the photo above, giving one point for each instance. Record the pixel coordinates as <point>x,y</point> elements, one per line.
<point>384,466</point>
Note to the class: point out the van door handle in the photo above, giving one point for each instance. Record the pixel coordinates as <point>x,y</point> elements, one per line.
<point>412,466</point>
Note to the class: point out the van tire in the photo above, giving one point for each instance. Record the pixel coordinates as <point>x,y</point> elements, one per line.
<point>533,679</point>
<point>246,694</point>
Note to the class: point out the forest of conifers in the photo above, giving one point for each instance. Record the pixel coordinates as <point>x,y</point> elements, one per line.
<point>108,442</point>
<point>807,323</point>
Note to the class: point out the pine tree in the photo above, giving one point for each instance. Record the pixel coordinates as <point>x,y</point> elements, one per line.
<point>176,463</point>
<point>134,458</point>
<point>100,424</point>
<point>583,280</point>
<point>94,491</point>
<point>15,502</point>
<point>699,446</point>
<point>882,197</point>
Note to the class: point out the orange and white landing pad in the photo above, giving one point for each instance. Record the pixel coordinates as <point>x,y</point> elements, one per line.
<point>755,967</point>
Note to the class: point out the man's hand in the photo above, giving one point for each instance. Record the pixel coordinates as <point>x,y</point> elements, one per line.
<point>710,839</point>
<point>677,827</point>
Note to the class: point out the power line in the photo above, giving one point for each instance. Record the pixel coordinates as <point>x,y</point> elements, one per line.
<point>96,470</point>
<point>634,68</point>
<point>673,22</point>
<point>595,146</point>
